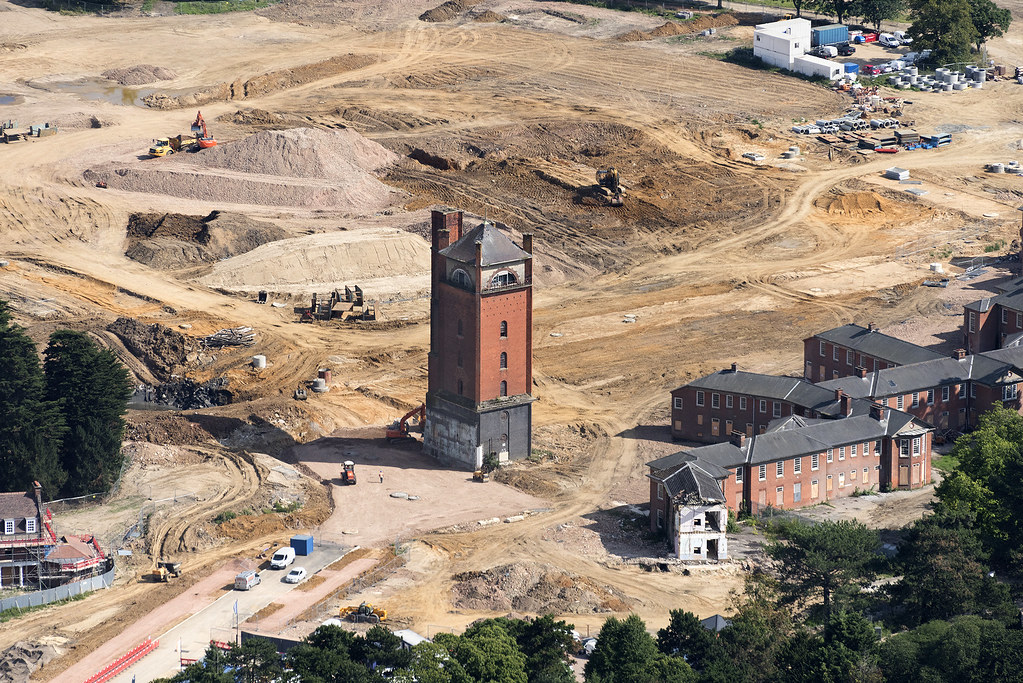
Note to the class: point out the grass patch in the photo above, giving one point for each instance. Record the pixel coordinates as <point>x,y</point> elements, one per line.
<point>994,247</point>
<point>225,516</point>
<point>221,7</point>
<point>858,492</point>
<point>15,612</point>
<point>147,5</point>
<point>946,463</point>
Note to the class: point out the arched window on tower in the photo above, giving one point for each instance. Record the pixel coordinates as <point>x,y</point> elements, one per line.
<point>504,388</point>
<point>503,279</point>
<point>461,279</point>
<point>460,330</point>
<point>459,387</point>
<point>504,360</point>
<point>504,329</point>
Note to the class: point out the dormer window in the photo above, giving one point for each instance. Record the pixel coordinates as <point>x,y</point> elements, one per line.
<point>8,526</point>
<point>30,525</point>
<point>461,279</point>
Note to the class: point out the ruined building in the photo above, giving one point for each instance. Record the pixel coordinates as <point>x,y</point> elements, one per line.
<point>481,344</point>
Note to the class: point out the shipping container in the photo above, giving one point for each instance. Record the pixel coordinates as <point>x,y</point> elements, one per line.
<point>303,544</point>
<point>829,35</point>
<point>852,68</point>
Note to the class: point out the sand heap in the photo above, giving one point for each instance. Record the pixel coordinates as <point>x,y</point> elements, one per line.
<point>172,240</point>
<point>139,74</point>
<point>448,11</point>
<point>301,167</point>
<point>377,259</point>
<point>534,588</point>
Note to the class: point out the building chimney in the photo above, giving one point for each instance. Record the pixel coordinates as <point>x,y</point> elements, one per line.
<point>527,242</point>
<point>38,490</point>
<point>871,327</point>
<point>861,372</point>
<point>446,227</point>
<point>879,411</point>
<point>839,394</point>
<point>735,367</point>
<point>845,402</point>
<point>738,439</point>
<point>959,354</point>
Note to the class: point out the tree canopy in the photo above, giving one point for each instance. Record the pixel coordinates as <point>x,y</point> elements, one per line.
<point>989,20</point>
<point>943,26</point>
<point>874,12</point>
<point>830,560</point>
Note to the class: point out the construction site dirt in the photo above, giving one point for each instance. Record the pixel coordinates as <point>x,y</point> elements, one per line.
<point>358,117</point>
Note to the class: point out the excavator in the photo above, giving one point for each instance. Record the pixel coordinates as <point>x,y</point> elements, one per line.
<point>401,430</point>
<point>363,613</point>
<point>202,135</point>
<point>610,186</point>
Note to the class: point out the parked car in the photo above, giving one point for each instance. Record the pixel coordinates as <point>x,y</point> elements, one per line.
<point>910,57</point>
<point>846,50</point>
<point>888,40</point>
<point>924,56</point>
<point>824,51</point>
<point>902,37</point>
<point>246,580</point>
<point>295,575</point>
<point>282,558</point>
<point>865,38</point>
<point>871,70</point>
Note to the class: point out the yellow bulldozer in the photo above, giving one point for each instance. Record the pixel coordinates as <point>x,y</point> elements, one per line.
<point>609,185</point>
<point>364,613</point>
<point>164,571</point>
<point>178,143</point>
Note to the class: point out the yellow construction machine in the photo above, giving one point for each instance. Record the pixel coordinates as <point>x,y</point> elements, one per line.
<point>178,143</point>
<point>164,571</point>
<point>161,148</point>
<point>610,186</point>
<point>481,476</point>
<point>364,613</point>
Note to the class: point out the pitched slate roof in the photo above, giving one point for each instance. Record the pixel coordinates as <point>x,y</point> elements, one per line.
<point>1011,297</point>
<point>715,623</point>
<point>990,368</point>
<point>792,389</point>
<point>17,505</point>
<point>497,247</point>
<point>873,343</point>
<point>693,479</point>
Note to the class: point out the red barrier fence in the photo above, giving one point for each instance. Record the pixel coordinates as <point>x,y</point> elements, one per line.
<point>124,661</point>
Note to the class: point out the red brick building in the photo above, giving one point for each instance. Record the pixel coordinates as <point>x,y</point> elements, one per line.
<point>481,343</point>
<point>838,352</point>
<point>804,462</point>
<point>948,393</point>
<point>25,537</point>
<point>711,408</point>
<point>994,322</point>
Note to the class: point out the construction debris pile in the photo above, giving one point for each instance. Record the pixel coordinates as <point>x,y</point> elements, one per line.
<point>534,588</point>
<point>18,662</point>
<point>234,336</point>
<point>348,306</point>
<point>9,133</point>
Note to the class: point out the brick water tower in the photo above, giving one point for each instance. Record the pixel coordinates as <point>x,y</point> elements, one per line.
<point>481,344</point>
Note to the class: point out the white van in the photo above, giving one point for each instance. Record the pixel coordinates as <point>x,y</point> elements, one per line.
<point>246,580</point>
<point>902,37</point>
<point>888,40</point>
<point>282,558</point>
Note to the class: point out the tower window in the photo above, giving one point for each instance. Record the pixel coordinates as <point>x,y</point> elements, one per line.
<point>504,360</point>
<point>504,329</point>
<point>460,330</point>
<point>459,387</point>
<point>503,279</point>
<point>504,388</point>
<point>461,279</point>
<point>459,359</point>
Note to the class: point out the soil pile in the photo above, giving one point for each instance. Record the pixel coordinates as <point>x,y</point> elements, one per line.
<point>448,11</point>
<point>301,167</point>
<point>534,588</point>
<point>77,121</point>
<point>160,348</point>
<point>174,240</point>
<point>186,394</point>
<point>164,429</point>
<point>671,28</point>
<point>854,204</point>
<point>489,17</point>
<point>21,659</point>
<point>139,74</point>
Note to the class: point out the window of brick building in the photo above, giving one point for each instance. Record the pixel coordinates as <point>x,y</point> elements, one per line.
<point>930,397</point>
<point>504,329</point>
<point>459,387</point>
<point>850,357</point>
<point>742,403</point>
<point>915,400</point>
<point>824,351</point>
<point>779,469</point>
<point>699,398</point>
<point>1009,392</point>
<point>738,476</point>
<point>899,403</point>
<point>762,473</point>
<point>715,400</point>
<point>834,353</point>
<point>815,461</point>
<point>678,403</point>
<point>841,452</point>
<point>1005,316</point>
<point>763,406</point>
<point>854,450</point>
<point>973,321</point>
<point>30,525</point>
<point>797,466</point>
<point>715,427</point>
<point>728,400</point>
<point>831,455</point>
<point>504,388</point>
<point>504,360</point>
<point>944,394</point>
<point>777,409</point>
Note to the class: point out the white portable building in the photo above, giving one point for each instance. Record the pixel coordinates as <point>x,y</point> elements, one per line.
<point>809,65</point>
<point>779,42</point>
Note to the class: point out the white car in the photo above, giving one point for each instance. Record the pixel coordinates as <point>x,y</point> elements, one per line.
<point>295,575</point>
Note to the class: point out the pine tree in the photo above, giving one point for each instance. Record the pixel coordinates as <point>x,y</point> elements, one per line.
<point>30,426</point>
<point>94,389</point>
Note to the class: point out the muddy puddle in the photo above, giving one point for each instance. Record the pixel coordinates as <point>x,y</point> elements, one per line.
<point>101,90</point>
<point>8,99</point>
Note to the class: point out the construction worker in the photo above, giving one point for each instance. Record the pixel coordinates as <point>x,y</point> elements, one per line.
<point>381,476</point>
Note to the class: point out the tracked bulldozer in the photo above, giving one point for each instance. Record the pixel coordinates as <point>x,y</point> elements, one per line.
<point>609,185</point>
<point>364,613</point>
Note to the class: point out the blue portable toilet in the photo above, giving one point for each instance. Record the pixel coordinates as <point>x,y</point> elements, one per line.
<point>302,543</point>
<point>852,68</point>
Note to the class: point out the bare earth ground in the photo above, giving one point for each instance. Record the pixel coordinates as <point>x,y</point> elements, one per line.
<point>719,259</point>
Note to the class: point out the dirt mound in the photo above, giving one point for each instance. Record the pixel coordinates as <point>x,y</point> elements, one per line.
<point>448,11</point>
<point>327,260</point>
<point>299,153</point>
<point>488,17</point>
<point>140,74</point>
<point>159,347</point>
<point>671,28</point>
<point>263,84</point>
<point>173,240</point>
<point>855,204</point>
<point>164,429</point>
<point>77,121</point>
<point>254,117</point>
<point>300,167</point>
<point>21,659</point>
<point>534,588</point>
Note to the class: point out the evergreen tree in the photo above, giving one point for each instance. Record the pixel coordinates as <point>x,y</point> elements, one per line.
<point>626,653</point>
<point>31,426</point>
<point>93,388</point>
<point>686,637</point>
